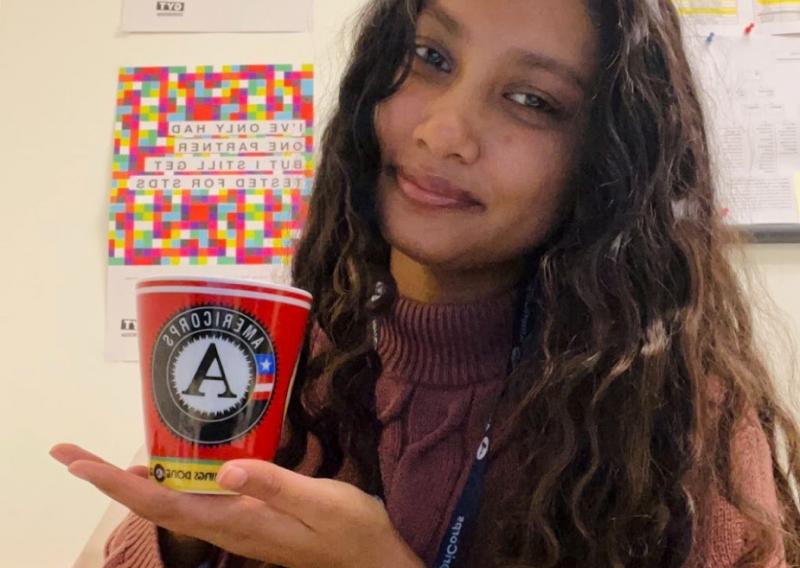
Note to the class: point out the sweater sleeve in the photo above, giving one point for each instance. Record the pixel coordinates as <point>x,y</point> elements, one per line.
<point>134,543</point>
<point>721,537</point>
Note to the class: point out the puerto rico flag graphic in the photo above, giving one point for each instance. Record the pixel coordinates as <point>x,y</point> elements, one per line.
<point>265,380</point>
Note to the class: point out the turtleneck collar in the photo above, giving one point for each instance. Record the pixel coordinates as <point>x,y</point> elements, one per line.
<point>448,345</point>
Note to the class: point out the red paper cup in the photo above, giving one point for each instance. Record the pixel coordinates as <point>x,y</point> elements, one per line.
<point>218,358</point>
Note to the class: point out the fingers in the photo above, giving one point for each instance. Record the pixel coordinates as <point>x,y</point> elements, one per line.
<point>241,524</point>
<point>139,470</point>
<point>131,488</point>
<point>164,507</point>
<point>199,516</point>
<point>68,453</point>
<point>140,495</point>
<point>305,498</point>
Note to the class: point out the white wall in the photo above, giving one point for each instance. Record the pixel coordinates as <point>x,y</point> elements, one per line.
<point>58,68</point>
<point>58,72</point>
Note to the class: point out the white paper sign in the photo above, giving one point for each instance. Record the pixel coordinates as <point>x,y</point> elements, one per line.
<point>733,17</point>
<point>750,92</point>
<point>216,15</point>
<point>121,339</point>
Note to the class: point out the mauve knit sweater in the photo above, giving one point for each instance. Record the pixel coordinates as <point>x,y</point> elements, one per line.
<point>443,369</point>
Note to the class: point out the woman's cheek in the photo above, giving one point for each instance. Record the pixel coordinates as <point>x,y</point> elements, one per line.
<point>396,117</point>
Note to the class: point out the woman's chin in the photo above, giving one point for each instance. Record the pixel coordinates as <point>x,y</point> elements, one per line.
<point>425,256</point>
<point>435,255</point>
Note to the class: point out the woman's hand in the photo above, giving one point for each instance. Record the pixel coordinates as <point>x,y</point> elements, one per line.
<point>280,516</point>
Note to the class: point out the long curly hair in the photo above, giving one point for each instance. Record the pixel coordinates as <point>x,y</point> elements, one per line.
<point>641,318</point>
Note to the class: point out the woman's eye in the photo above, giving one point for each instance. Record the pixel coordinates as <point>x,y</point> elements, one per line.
<point>534,102</point>
<point>433,58</point>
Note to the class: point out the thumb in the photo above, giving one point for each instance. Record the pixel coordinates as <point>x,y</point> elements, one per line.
<point>304,497</point>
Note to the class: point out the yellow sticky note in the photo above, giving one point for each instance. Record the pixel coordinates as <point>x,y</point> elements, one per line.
<point>797,191</point>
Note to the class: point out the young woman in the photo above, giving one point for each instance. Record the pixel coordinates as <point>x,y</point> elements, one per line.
<point>527,339</point>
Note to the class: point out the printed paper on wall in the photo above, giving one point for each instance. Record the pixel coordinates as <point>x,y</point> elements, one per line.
<point>216,15</point>
<point>211,173</point>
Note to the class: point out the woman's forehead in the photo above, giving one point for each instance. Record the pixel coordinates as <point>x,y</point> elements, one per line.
<point>555,31</point>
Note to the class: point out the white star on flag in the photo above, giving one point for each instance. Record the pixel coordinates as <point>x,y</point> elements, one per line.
<point>266,365</point>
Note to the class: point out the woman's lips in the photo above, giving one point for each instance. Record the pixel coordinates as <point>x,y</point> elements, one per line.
<point>433,192</point>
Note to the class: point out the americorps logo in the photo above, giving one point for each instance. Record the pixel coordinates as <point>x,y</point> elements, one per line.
<point>164,8</point>
<point>214,371</point>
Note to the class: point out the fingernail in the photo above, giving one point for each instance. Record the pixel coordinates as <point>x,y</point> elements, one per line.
<point>78,473</point>
<point>232,477</point>
<point>55,453</point>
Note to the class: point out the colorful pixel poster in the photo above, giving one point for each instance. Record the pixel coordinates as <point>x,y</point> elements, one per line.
<point>212,169</point>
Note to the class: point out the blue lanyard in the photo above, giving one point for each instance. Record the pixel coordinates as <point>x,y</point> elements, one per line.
<point>466,509</point>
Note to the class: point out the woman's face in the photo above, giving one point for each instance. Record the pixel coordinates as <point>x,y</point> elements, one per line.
<point>480,141</point>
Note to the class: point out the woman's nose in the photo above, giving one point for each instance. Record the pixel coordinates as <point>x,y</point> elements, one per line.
<point>448,129</point>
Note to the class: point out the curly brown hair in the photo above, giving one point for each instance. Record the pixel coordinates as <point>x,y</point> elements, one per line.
<point>640,317</point>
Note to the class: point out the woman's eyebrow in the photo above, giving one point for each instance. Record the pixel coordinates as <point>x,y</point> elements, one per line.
<point>535,60</point>
<point>447,21</point>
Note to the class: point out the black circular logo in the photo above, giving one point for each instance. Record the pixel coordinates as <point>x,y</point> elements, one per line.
<point>159,473</point>
<point>213,372</point>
